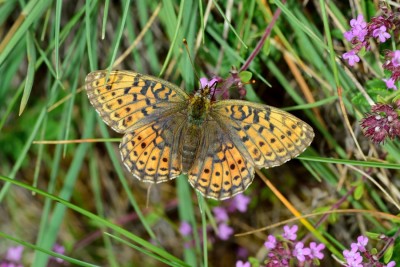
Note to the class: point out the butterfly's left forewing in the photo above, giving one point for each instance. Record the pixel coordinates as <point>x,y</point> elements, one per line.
<point>266,135</point>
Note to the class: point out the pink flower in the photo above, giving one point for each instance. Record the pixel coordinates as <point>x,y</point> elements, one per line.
<point>204,82</point>
<point>350,254</point>
<point>351,57</point>
<point>290,233</point>
<point>14,253</point>
<point>391,264</point>
<point>60,250</point>
<point>224,231</point>
<point>315,250</point>
<point>390,83</point>
<point>381,34</point>
<point>271,243</point>
<point>362,241</point>
<point>348,35</point>
<point>243,264</point>
<point>240,203</point>
<point>396,58</point>
<point>220,213</point>
<point>355,261</point>
<point>185,228</point>
<point>13,257</point>
<point>358,28</point>
<point>300,252</point>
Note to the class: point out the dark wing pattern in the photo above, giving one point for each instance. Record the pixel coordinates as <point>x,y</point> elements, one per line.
<point>129,99</point>
<point>267,136</point>
<point>152,152</point>
<point>219,170</point>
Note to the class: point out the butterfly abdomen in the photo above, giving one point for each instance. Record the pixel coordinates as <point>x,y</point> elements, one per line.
<point>190,146</point>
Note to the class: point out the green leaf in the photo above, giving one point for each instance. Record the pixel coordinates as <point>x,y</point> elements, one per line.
<point>388,254</point>
<point>267,46</point>
<point>31,53</point>
<point>376,90</point>
<point>254,262</point>
<point>245,76</point>
<point>362,52</point>
<point>358,193</point>
<point>374,236</point>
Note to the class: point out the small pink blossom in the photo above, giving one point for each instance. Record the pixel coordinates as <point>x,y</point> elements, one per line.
<point>351,254</point>
<point>300,252</point>
<point>358,28</point>
<point>240,203</point>
<point>14,253</point>
<point>390,83</point>
<point>396,58</point>
<point>243,264</point>
<point>185,228</point>
<point>220,213</point>
<point>355,261</point>
<point>290,232</point>
<point>358,23</point>
<point>315,250</point>
<point>381,34</point>
<point>60,250</point>
<point>271,242</point>
<point>391,264</point>
<point>224,231</point>
<point>204,82</point>
<point>351,57</point>
<point>348,35</point>
<point>362,241</point>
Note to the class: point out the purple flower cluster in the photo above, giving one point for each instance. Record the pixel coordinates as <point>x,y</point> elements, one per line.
<point>392,65</point>
<point>359,256</point>
<point>382,122</point>
<point>282,251</point>
<point>362,32</point>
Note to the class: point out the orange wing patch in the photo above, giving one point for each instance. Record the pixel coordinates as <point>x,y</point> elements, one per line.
<point>127,98</point>
<point>224,171</point>
<point>151,153</point>
<point>267,135</point>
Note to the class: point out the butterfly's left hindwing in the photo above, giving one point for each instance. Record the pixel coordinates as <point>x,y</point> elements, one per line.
<point>129,99</point>
<point>219,170</point>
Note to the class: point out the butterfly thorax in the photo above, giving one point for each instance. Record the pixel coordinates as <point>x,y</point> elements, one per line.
<point>199,107</point>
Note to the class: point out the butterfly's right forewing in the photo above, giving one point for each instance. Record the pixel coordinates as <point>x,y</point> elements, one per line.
<point>128,100</point>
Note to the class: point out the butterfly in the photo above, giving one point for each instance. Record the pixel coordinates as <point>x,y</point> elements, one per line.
<point>168,132</point>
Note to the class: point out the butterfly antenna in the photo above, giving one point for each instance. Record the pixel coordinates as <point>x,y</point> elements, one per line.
<point>190,58</point>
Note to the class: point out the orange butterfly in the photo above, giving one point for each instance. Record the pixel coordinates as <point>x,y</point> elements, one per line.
<point>168,132</point>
